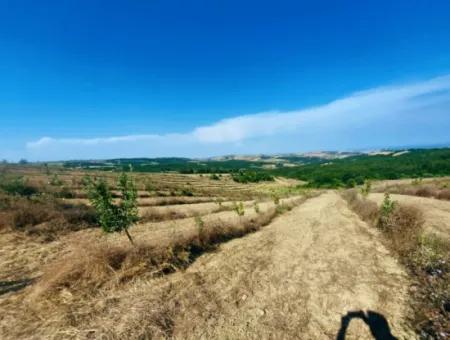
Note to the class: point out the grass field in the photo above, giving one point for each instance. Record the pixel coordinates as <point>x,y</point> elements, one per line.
<point>290,263</point>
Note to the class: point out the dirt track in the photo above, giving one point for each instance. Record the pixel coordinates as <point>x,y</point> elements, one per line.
<point>295,278</point>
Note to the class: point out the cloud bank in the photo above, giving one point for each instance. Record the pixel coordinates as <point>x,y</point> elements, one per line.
<point>392,115</point>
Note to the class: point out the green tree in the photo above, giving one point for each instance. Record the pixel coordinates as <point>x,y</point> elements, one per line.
<point>115,217</point>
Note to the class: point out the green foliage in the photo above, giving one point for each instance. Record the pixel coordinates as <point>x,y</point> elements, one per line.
<point>248,176</point>
<point>341,172</point>
<point>416,181</point>
<point>65,192</point>
<point>365,190</point>
<point>388,206</point>
<point>115,217</point>
<point>276,199</point>
<point>149,186</point>
<point>17,186</point>
<point>214,177</point>
<point>239,208</point>
<point>200,224</point>
<point>55,180</point>
<point>432,254</point>
<point>186,192</point>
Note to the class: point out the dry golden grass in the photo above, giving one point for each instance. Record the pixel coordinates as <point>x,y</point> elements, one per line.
<point>46,218</point>
<point>427,257</point>
<point>435,188</point>
<point>92,264</point>
<point>367,210</point>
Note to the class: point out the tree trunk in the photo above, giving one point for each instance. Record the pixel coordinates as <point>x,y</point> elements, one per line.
<point>129,237</point>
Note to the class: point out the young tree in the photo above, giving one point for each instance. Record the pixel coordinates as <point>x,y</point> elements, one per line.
<point>115,217</point>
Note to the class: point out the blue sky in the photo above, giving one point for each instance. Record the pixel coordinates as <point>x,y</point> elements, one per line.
<point>102,79</point>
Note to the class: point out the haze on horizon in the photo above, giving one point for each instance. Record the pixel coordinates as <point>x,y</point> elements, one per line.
<point>96,80</point>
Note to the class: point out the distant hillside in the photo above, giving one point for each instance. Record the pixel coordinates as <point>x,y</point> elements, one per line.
<point>319,169</point>
<point>354,170</point>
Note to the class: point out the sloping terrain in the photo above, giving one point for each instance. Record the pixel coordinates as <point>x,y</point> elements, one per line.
<point>296,278</point>
<point>436,212</point>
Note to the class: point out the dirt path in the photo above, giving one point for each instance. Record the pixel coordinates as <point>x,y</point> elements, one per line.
<point>295,278</point>
<point>436,212</point>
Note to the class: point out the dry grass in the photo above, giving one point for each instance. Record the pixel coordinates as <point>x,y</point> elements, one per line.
<point>44,217</point>
<point>92,264</point>
<point>403,227</point>
<point>427,258</point>
<point>438,189</point>
<point>367,210</point>
<point>158,214</point>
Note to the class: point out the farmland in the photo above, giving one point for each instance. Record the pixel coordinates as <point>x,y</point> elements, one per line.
<point>218,258</point>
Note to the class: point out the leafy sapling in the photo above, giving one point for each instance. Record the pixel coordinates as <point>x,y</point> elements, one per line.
<point>239,208</point>
<point>365,190</point>
<point>115,217</point>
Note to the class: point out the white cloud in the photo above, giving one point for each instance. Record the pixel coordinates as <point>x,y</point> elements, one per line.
<point>359,110</point>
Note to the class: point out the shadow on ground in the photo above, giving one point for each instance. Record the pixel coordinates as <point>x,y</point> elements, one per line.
<point>379,326</point>
<point>13,286</point>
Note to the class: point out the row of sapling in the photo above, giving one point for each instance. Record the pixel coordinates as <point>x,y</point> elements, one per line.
<point>114,217</point>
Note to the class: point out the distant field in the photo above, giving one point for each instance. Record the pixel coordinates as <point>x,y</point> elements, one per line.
<point>319,170</point>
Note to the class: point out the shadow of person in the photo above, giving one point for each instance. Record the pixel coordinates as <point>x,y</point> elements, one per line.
<point>378,325</point>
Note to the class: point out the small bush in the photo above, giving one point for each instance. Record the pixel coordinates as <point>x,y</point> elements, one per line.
<point>248,176</point>
<point>444,194</point>
<point>214,177</point>
<point>365,190</point>
<point>239,208</point>
<point>387,206</point>
<point>187,192</point>
<point>18,186</point>
<point>404,227</point>
<point>55,181</point>
<point>65,192</point>
<point>115,217</point>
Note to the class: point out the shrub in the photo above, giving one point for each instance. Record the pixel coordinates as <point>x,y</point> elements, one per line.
<point>387,206</point>
<point>65,192</point>
<point>18,186</point>
<point>55,180</point>
<point>276,199</point>
<point>115,217</point>
<point>365,190</point>
<point>187,192</point>
<point>404,227</point>
<point>239,208</point>
<point>248,176</point>
<point>444,194</point>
